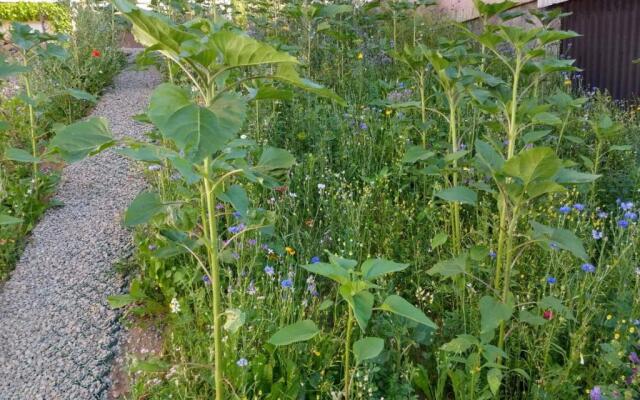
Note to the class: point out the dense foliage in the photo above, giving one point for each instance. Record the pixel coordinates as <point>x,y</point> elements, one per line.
<point>48,80</point>
<point>504,192</point>
<point>58,16</point>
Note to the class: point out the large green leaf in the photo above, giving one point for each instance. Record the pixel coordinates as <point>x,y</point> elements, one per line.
<point>237,196</point>
<point>488,158</point>
<point>494,379</point>
<point>144,207</point>
<point>197,131</point>
<point>238,50</point>
<point>538,163</point>
<point>151,29</point>
<point>415,154</point>
<point>361,303</point>
<point>460,344</point>
<point>82,95</point>
<point>19,155</point>
<point>331,271</point>
<point>298,332</point>
<point>9,220</point>
<point>460,194</point>
<point>562,238</point>
<point>450,268</point>
<point>166,99</point>
<point>273,158</point>
<point>367,348</point>
<point>566,175</point>
<point>397,305</point>
<point>374,268</point>
<point>231,110</point>
<point>492,313</point>
<point>78,140</point>
<point>7,69</point>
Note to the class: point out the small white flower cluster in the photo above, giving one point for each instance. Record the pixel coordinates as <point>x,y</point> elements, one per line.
<point>174,306</point>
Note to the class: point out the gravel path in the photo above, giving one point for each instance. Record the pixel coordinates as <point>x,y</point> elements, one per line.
<point>58,336</point>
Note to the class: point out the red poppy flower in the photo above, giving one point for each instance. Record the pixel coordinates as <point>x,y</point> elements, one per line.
<point>548,315</point>
<point>95,53</point>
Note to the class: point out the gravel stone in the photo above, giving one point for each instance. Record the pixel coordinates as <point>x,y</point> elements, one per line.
<point>58,336</point>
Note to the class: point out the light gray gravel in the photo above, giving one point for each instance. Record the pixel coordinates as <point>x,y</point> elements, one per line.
<point>58,336</point>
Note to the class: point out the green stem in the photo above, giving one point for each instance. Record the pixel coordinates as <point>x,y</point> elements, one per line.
<point>32,130</point>
<point>347,355</point>
<point>212,249</point>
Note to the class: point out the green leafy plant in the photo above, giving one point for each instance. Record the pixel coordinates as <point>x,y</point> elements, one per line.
<point>58,15</point>
<point>355,286</point>
<point>199,132</point>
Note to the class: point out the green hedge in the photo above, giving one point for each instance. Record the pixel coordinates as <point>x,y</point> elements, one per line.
<point>58,15</point>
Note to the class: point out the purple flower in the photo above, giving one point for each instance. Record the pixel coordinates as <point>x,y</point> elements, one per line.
<point>286,283</point>
<point>252,288</point>
<point>623,223</point>
<point>237,214</point>
<point>492,254</point>
<point>602,215</point>
<point>554,246</point>
<point>268,269</point>
<point>152,247</point>
<point>236,228</point>
<point>315,260</point>
<point>363,125</point>
<point>565,209</point>
<point>219,206</point>
<point>596,393</point>
<point>551,280</point>
<point>206,280</point>
<point>579,207</point>
<point>597,235</point>
<point>633,357</point>
<point>626,206</point>
<point>242,362</point>
<point>252,242</point>
<point>235,255</point>
<point>630,215</point>
<point>590,268</point>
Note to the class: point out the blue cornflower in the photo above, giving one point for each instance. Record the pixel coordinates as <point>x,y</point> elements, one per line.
<point>554,246</point>
<point>579,207</point>
<point>268,269</point>
<point>596,234</point>
<point>630,215</point>
<point>315,260</point>
<point>242,362</point>
<point>626,206</point>
<point>236,228</point>
<point>206,280</point>
<point>565,209</point>
<point>595,393</point>
<point>602,215</point>
<point>586,267</point>
<point>286,283</point>
<point>492,254</point>
<point>551,280</point>
<point>237,214</point>
<point>363,125</point>
<point>623,223</point>
<point>252,242</point>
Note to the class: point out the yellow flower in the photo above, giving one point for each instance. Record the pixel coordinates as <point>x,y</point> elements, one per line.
<point>632,329</point>
<point>567,82</point>
<point>609,317</point>
<point>360,56</point>
<point>616,336</point>
<point>388,112</point>
<point>290,251</point>
<point>316,352</point>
